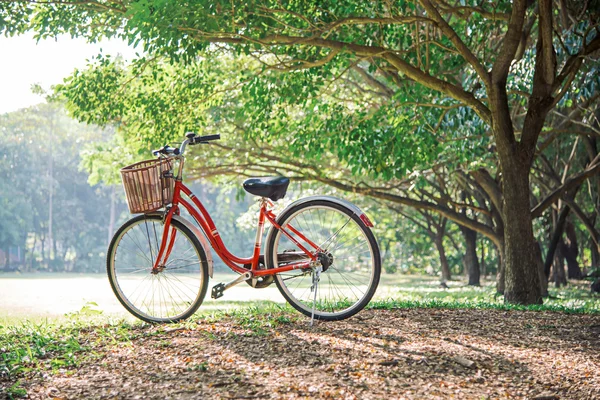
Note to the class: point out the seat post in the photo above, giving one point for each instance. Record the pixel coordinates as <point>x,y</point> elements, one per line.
<point>259,232</point>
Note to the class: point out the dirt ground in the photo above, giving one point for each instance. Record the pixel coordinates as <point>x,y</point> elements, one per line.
<point>395,354</point>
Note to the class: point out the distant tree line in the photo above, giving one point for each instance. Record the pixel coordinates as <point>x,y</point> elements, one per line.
<point>51,218</point>
<point>48,210</point>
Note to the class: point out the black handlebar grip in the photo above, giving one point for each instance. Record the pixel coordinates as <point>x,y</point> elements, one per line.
<point>206,139</point>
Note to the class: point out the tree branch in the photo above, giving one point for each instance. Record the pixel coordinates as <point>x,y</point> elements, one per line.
<point>397,20</point>
<point>569,184</point>
<point>489,185</point>
<point>574,62</point>
<point>371,80</point>
<point>510,43</point>
<point>460,10</point>
<point>424,205</point>
<point>464,51</point>
<point>401,65</point>
<point>585,220</point>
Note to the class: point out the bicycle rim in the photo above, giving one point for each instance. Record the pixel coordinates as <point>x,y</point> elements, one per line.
<point>170,295</point>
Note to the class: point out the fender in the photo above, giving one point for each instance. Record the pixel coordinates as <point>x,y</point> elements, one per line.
<point>357,211</point>
<point>201,239</point>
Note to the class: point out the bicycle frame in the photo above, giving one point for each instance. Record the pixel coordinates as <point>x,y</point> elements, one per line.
<point>199,213</point>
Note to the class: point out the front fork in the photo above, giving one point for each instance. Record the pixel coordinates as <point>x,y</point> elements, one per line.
<point>167,242</point>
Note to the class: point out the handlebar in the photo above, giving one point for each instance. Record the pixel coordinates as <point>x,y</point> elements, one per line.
<point>192,139</point>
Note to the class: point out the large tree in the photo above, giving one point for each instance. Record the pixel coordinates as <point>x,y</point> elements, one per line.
<point>448,55</point>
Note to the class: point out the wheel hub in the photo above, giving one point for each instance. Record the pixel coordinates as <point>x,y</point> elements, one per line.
<point>326,259</point>
<point>157,270</point>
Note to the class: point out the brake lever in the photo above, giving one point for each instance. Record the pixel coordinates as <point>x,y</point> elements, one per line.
<point>157,152</point>
<point>166,150</point>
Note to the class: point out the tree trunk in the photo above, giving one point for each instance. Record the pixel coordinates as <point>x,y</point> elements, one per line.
<point>516,152</point>
<point>470,257</point>
<point>32,255</point>
<point>6,257</point>
<point>385,254</point>
<point>50,201</point>
<point>55,253</point>
<point>595,256</point>
<point>559,267</point>
<point>572,251</point>
<point>63,259</point>
<point>43,241</point>
<point>595,288</point>
<point>500,276</point>
<point>540,265</point>
<point>573,270</point>
<point>522,279</point>
<point>556,238</point>
<point>439,244</point>
<point>482,261</point>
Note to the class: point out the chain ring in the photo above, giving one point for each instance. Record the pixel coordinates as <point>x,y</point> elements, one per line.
<point>260,282</point>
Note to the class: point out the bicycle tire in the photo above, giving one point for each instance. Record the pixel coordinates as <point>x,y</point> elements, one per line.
<point>180,285</point>
<point>349,283</point>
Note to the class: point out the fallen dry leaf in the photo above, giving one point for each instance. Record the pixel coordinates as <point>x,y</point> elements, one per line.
<point>409,353</point>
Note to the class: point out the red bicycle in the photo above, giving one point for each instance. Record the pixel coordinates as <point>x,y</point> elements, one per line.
<point>320,250</point>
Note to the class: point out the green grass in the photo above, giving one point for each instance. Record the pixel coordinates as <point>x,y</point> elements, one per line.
<point>54,347</point>
<point>257,318</point>
<point>420,292</point>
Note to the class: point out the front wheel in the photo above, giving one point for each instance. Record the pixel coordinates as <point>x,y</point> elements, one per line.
<point>171,294</point>
<point>351,261</point>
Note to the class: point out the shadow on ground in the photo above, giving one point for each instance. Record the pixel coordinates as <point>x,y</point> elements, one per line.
<point>404,353</point>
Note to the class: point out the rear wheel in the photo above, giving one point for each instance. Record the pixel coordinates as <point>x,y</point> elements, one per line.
<point>350,260</point>
<point>172,294</point>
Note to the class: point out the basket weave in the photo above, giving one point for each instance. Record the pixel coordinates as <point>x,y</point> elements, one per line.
<point>145,186</point>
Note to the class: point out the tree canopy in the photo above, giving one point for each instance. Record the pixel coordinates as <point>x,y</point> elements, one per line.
<point>377,89</point>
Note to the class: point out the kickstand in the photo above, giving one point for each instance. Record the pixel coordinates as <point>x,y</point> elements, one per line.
<point>316,277</point>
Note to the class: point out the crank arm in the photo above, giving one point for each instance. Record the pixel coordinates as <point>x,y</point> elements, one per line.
<point>242,278</point>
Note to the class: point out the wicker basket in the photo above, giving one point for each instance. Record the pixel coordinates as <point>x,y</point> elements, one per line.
<point>146,188</point>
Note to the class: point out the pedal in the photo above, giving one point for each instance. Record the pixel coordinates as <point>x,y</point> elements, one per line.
<point>217,291</point>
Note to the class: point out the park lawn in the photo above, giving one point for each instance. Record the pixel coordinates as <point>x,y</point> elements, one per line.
<point>574,298</point>
<point>51,298</point>
<point>54,297</point>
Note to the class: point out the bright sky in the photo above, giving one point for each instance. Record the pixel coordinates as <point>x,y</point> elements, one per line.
<point>23,62</point>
